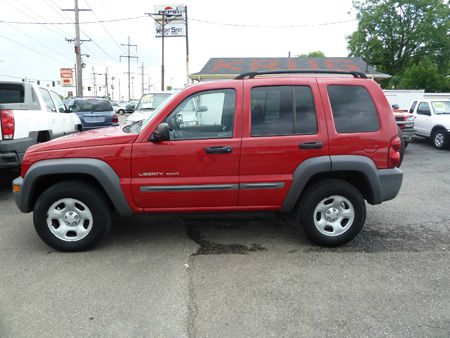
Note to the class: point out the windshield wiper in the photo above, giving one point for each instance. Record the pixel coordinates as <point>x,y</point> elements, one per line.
<point>127,128</point>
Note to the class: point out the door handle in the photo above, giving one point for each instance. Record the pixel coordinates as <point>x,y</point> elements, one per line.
<point>310,145</point>
<point>219,150</point>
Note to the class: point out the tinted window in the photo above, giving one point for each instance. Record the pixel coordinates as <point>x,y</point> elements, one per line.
<point>424,109</point>
<point>91,105</point>
<point>413,106</point>
<point>47,100</point>
<point>203,115</point>
<point>283,110</point>
<point>353,109</point>
<point>11,93</point>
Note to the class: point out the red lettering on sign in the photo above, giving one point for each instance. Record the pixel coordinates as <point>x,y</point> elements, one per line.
<point>292,64</point>
<point>228,65</point>
<point>264,64</point>
<point>313,65</point>
<point>343,65</point>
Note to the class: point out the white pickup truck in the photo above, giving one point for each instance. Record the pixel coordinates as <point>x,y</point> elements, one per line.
<point>432,119</point>
<point>30,114</point>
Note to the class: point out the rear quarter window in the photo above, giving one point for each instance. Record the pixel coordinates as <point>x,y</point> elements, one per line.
<point>11,93</point>
<point>353,109</point>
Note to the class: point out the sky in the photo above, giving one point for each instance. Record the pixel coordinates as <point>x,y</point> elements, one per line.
<point>216,29</point>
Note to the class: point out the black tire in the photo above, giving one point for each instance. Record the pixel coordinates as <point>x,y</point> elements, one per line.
<point>98,206</point>
<point>440,139</point>
<point>324,190</point>
<point>406,144</point>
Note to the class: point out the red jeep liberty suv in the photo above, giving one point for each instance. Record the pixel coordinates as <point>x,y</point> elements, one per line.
<point>316,146</point>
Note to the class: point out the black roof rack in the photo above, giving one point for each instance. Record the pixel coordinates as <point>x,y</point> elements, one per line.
<point>251,75</point>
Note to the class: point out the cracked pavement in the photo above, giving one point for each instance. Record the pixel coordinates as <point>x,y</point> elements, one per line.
<point>253,276</point>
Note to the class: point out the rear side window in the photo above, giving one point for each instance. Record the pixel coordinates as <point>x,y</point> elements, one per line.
<point>353,109</point>
<point>11,93</point>
<point>283,110</point>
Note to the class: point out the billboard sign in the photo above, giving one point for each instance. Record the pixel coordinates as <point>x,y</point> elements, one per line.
<point>172,13</point>
<point>66,75</point>
<point>170,30</point>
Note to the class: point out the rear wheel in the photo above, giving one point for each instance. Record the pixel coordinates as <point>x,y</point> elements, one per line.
<point>332,212</point>
<point>440,139</point>
<point>402,145</point>
<point>72,216</point>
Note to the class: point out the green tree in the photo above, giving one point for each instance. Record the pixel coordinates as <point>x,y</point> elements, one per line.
<point>313,54</point>
<point>393,34</point>
<point>424,75</point>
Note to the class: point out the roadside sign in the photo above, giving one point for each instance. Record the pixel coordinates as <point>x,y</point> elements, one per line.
<point>66,75</point>
<point>172,13</point>
<point>170,30</point>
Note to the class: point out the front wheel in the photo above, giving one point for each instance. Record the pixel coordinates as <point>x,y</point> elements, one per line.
<point>440,139</point>
<point>332,212</point>
<point>72,216</point>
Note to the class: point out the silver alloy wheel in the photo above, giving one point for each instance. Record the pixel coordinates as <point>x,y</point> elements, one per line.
<point>69,219</point>
<point>334,215</point>
<point>439,139</point>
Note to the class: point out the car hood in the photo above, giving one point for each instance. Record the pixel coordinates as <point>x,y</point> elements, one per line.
<point>91,138</point>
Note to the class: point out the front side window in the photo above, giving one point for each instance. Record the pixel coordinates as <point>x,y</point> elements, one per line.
<point>47,100</point>
<point>59,102</point>
<point>204,115</point>
<point>423,109</point>
<point>282,110</point>
<point>353,109</point>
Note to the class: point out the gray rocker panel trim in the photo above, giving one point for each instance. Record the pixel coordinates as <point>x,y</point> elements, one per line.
<point>99,170</point>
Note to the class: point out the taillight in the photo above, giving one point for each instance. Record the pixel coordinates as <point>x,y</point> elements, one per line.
<point>394,152</point>
<point>115,118</point>
<point>8,125</point>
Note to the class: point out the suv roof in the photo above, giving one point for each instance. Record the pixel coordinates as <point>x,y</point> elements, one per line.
<point>252,75</point>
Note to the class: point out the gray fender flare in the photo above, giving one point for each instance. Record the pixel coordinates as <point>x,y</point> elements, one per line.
<point>99,170</point>
<point>323,164</point>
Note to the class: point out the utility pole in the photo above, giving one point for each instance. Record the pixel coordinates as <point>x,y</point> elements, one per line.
<point>187,43</point>
<point>129,57</point>
<point>78,42</point>
<point>165,19</point>
<point>142,76</point>
<point>106,81</point>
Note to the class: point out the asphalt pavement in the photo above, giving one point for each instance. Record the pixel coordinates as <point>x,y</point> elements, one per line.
<point>252,276</point>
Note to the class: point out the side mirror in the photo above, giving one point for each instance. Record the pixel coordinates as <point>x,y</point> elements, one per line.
<point>161,133</point>
<point>202,109</point>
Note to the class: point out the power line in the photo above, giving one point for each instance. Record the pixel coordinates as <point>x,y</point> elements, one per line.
<point>104,28</point>
<point>190,19</point>
<point>71,23</point>
<point>32,49</point>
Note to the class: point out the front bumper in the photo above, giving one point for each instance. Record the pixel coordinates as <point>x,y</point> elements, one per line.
<point>17,185</point>
<point>408,134</point>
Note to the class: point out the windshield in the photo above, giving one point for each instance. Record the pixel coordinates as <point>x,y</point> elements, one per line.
<point>441,107</point>
<point>156,111</point>
<point>151,101</point>
<point>91,105</point>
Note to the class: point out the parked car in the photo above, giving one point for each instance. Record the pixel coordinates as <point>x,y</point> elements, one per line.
<point>30,114</point>
<point>405,122</point>
<point>93,113</point>
<point>148,103</point>
<point>118,107</point>
<point>130,107</point>
<point>314,147</point>
<point>432,120</point>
